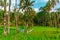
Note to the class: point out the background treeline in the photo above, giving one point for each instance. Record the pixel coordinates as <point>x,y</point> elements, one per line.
<point>48,19</point>
<point>51,19</point>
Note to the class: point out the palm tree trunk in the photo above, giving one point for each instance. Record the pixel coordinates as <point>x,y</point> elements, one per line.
<point>32,22</point>
<point>16,16</point>
<point>16,23</point>
<point>57,20</point>
<point>9,17</point>
<point>5,17</point>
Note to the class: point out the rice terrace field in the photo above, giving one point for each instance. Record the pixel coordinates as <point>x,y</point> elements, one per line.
<point>38,33</point>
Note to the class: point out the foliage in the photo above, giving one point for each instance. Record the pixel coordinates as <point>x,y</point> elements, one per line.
<point>1,17</point>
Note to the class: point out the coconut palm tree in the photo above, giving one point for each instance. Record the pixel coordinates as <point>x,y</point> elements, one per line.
<point>5,17</point>
<point>9,16</point>
<point>58,16</point>
<point>50,4</point>
<point>26,5</point>
<point>53,3</point>
<point>16,20</point>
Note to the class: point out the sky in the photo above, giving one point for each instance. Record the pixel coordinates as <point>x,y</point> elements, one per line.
<point>41,3</point>
<point>37,4</point>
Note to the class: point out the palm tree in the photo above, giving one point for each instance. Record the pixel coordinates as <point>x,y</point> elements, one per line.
<point>58,15</point>
<point>53,3</point>
<point>26,5</point>
<point>16,20</point>
<point>9,16</point>
<point>31,16</point>
<point>50,4</point>
<point>5,17</point>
